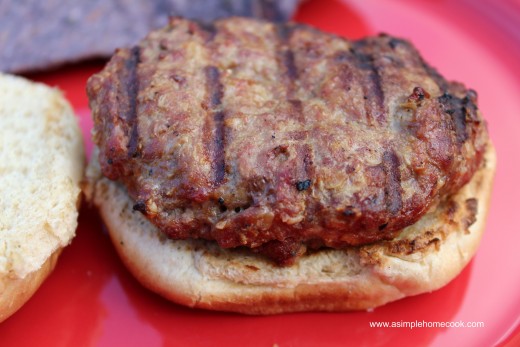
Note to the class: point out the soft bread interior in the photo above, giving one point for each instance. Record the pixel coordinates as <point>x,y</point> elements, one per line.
<point>41,164</point>
<point>424,257</point>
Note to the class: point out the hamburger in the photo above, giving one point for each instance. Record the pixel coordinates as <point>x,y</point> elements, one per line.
<point>41,164</point>
<point>261,168</point>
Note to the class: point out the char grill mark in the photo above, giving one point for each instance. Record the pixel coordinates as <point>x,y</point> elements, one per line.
<point>393,197</point>
<point>288,68</point>
<point>286,56</point>
<point>215,89</point>
<point>304,169</point>
<point>215,124</point>
<point>457,110</point>
<point>346,62</point>
<point>292,73</point>
<point>377,92</point>
<point>373,90</point>
<point>132,89</point>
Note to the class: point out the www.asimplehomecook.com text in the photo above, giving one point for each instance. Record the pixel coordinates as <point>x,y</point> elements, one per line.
<point>426,324</point>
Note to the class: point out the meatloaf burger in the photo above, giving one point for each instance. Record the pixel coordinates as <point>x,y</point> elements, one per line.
<point>263,168</point>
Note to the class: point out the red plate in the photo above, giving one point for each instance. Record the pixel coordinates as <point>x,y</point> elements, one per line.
<point>91,300</point>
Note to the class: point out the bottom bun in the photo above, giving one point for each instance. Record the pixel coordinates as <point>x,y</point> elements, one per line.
<point>196,273</point>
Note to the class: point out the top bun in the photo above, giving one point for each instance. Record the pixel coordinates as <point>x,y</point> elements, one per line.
<point>41,164</point>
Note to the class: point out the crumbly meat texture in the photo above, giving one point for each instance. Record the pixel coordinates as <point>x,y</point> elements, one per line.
<point>279,137</point>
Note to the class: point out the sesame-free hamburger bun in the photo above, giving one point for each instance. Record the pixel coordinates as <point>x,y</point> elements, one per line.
<point>41,164</point>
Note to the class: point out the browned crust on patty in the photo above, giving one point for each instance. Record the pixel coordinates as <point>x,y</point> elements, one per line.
<point>279,137</point>
<point>196,273</point>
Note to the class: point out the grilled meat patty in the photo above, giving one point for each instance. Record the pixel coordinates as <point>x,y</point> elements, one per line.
<point>280,137</point>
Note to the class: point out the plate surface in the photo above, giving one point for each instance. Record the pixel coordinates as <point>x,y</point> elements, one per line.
<point>91,300</point>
